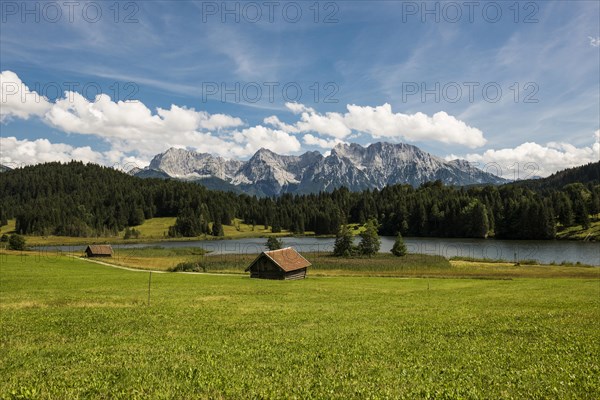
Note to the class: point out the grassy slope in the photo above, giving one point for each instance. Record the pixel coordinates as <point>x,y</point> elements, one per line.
<point>72,329</point>
<point>579,233</point>
<point>8,228</point>
<point>151,230</point>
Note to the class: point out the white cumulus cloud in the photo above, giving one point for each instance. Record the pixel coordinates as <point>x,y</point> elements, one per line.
<point>312,140</point>
<point>16,153</point>
<point>298,108</point>
<point>131,126</point>
<point>532,159</point>
<point>382,123</point>
<point>257,137</point>
<point>17,100</point>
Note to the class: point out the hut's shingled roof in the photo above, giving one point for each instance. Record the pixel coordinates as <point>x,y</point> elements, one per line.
<point>100,249</point>
<point>287,259</point>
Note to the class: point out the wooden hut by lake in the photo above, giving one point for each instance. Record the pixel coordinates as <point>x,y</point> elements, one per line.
<point>279,264</point>
<point>99,250</point>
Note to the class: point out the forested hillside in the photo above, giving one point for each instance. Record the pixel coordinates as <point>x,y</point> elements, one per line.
<point>84,200</point>
<point>586,174</point>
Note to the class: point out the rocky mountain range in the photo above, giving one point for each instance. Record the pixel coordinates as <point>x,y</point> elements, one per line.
<point>351,165</point>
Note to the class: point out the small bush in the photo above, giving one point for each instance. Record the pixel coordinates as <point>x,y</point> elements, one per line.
<point>189,266</point>
<point>16,242</point>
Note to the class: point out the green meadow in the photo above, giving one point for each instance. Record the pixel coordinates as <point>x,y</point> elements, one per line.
<point>72,329</point>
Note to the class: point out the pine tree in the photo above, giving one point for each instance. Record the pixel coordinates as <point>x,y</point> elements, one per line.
<point>565,210</point>
<point>217,229</point>
<point>273,243</point>
<point>581,212</point>
<point>478,221</point>
<point>419,220</point>
<point>399,248</point>
<point>370,242</point>
<point>300,224</point>
<point>594,203</point>
<point>276,227</point>
<point>548,223</point>
<point>226,217</point>
<point>3,219</point>
<point>343,246</point>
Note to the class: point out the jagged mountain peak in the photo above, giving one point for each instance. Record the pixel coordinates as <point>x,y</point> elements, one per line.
<point>459,162</point>
<point>188,164</point>
<point>349,164</point>
<point>264,150</point>
<point>175,150</point>
<point>181,152</point>
<point>269,156</point>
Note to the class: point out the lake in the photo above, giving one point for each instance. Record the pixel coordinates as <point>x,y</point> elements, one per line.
<point>543,251</point>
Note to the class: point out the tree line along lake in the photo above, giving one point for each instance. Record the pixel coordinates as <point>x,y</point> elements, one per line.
<point>543,251</point>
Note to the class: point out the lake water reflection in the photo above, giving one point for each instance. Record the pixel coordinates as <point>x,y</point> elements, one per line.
<point>542,251</point>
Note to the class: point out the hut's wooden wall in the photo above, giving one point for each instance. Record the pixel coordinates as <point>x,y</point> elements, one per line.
<point>298,274</point>
<point>89,253</point>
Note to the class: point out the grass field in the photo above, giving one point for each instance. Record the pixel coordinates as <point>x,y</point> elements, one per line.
<point>155,258</point>
<point>73,329</point>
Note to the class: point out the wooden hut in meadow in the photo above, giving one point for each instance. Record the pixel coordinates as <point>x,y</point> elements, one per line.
<point>99,250</point>
<point>279,264</point>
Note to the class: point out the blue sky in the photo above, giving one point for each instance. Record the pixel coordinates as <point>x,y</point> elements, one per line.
<point>377,57</point>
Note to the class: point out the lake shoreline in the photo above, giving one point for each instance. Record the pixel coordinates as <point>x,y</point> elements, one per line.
<point>514,251</point>
<point>37,241</point>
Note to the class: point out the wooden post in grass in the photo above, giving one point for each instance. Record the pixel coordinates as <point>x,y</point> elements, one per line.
<point>149,283</point>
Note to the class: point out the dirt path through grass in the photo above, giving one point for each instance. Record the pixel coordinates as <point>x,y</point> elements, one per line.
<point>146,270</point>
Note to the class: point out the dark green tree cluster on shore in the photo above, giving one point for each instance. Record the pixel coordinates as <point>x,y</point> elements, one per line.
<point>74,199</point>
<point>273,243</point>
<point>369,241</point>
